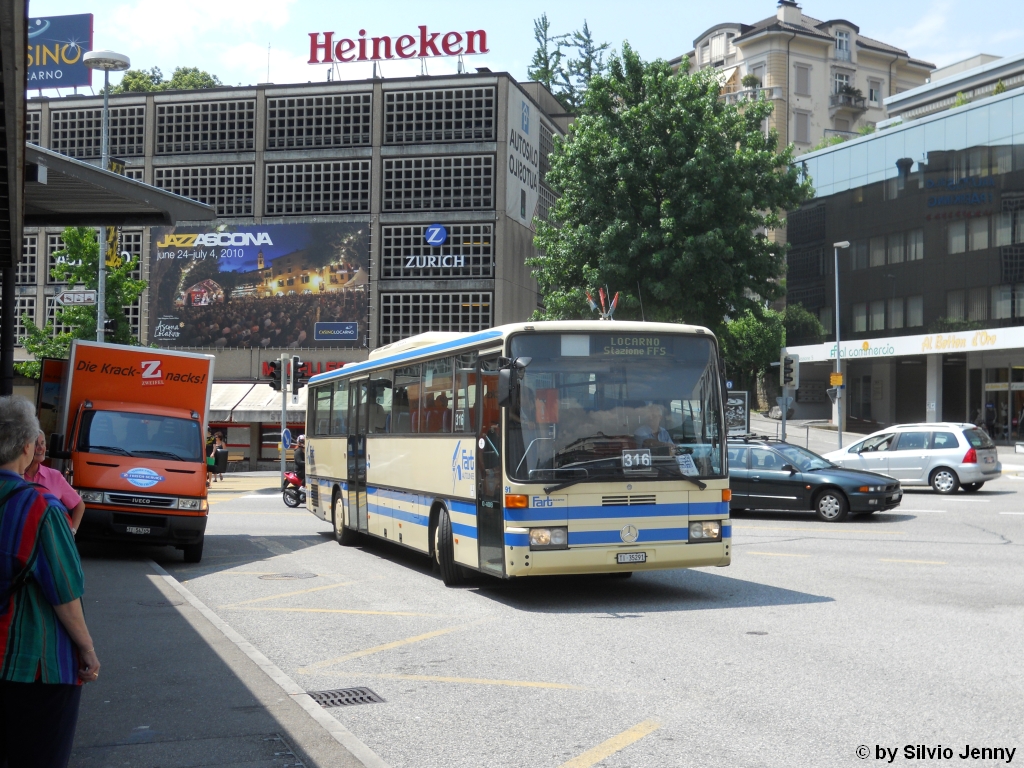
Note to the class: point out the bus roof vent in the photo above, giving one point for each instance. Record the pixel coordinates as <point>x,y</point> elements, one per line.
<point>414,342</point>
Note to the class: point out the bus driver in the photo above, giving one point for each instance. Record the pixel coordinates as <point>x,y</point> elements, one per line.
<point>650,433</point>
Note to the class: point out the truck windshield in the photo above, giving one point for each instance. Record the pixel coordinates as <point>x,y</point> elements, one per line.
<point>141,435</point>
<point>611,406</point>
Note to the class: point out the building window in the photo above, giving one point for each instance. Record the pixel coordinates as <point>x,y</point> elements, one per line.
<point>843,45</point>
<point>955,305</point>
<point>23,305</point>
<point>957,235</point>
<point>840,81</point>
<point>77,132</point>
<point>1002,159</point>
<point>439,183</point>
<point>895,313</point>
<point>469,252</point>
<point>977,304</point>
<point>298,189</point>
<point>877,316</point>
<point>52,310</point>
<point>825,318</point>
<point>1002,302</point>
<point>717,48</point>
<point>206,126</point>
<point>877,251</point>
<point>408,314</point>
<point>875,92</point>
<point>1018,300</point>
<point>977,232</point>
<point>859,255</point>
<point>915,311</point>
<point>29,255</point>
<point>860,318</point>
<point>897,248</point>
<point>803,80</point>
<point>228,188</point>
<point>319,121</point>
<point>915,245</point>
<point>452,114</point>
<point>54,243</point>
<point>802,130</point>
<point>1003,229</point>
<point>705,55</point>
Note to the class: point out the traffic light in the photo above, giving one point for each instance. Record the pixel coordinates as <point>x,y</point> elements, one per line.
<point>789,371</point>
<point>109,326</point>
<point>294,382</point>
<point>275,375</point>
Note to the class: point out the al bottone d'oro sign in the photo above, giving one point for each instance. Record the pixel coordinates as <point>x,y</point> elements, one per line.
<point>325,47</point>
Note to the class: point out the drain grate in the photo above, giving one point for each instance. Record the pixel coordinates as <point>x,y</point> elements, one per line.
<point>287,576</point>
<point>345,697</point>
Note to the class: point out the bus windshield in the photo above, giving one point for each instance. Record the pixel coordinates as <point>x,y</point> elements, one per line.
<point>611,406</point>
<point>141,435</point>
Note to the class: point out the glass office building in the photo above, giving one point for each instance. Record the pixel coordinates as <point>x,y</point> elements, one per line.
<point>932,286</point>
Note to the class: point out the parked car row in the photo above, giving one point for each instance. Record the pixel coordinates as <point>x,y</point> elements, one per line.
<point>868,476</point>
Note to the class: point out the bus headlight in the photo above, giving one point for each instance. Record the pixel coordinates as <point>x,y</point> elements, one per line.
<point>92,497</point>
<point>706,530</point>
<point>549,538</point>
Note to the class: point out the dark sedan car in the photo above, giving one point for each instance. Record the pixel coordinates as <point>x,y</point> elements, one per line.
<point>772,475</point>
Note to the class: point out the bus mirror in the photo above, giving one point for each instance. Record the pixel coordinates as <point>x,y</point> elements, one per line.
<point>504,387</point>
<point>508,385</point>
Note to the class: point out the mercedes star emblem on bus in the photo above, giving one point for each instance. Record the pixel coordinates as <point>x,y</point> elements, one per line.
<point>629,533</point>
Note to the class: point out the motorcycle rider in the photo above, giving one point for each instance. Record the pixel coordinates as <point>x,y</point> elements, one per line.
<point>299,456</point>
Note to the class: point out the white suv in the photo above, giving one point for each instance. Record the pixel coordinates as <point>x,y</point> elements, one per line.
<point>943,455</point>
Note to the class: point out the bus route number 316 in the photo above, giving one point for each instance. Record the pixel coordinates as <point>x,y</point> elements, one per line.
<point>638,459</point>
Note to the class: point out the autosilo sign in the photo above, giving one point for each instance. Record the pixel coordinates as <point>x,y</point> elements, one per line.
<point>55,48</point>
<point>522,186</point>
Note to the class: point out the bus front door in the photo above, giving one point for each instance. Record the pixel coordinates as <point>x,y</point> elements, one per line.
<point>490,518</point>
<point>357,415</point>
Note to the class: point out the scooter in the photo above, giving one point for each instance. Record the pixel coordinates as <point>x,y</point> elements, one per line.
<point>293,490</point>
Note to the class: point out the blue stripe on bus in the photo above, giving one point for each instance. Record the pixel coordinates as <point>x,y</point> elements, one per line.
<point>410,517</point>
<point>463,507</point>
<point>464,530</point>
<point>397,358</point>
<point>517,539</point>
<point>613,537</point>
<point>519,515</point>
<point>726,531</point>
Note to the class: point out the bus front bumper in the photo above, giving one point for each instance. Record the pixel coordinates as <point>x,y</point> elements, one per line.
<point>520,561</point>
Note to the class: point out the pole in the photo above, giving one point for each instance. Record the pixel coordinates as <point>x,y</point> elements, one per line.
<point>284,410</point>
<point>839,387</point>
<point>101,282</point>
<point>7,323</point>
<point>785,407</point>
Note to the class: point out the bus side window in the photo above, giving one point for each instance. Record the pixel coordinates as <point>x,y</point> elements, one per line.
<point>436,414</point>
<point>339,409</point>
<point>380,402</point>
<point>321,400</point>
<point>405,400</point>
<point>465,393</point>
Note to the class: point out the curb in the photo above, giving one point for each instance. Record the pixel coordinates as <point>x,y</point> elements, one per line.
<point>339,732</point>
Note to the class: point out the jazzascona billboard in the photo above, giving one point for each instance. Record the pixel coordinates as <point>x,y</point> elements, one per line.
<point>262,285</point>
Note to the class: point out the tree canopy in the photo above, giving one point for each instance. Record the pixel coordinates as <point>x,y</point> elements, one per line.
<point>183,79</point>
<point>566,63</point>
<point>751,343</point>
<point>665,195</point>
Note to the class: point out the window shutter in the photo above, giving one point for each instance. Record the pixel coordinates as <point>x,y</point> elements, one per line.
<point>803,80</point>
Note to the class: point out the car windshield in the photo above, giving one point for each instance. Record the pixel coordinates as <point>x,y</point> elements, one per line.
<point>141,435</point>
<point>610,405</point>
<point>802,459</point>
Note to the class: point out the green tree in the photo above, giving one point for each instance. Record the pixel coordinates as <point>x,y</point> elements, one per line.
<point>183,79</point>
<point>581,69</point>
<point>78,265</point>
<point>751,343</point>
<point>960,100</point>
<point>139,81</point>
<point>1000,88</point>
<point>802,326</point>
<point>192,78</point>
<point>664,186</point>
<point>546,66</point>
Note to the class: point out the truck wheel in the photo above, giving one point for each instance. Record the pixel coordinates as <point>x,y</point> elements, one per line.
<point>344,536</point>
<point>451,574</point>
<point>194,552</point>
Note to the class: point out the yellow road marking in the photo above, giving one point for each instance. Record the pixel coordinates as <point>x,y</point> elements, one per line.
<point>773,554</point>
<point>290,594</point>
<point>844,529</point>
<point>331,610</point>
<point>482,681</point>
<point>921,562</point>
<point>379,648</point>
<point>613,745</point>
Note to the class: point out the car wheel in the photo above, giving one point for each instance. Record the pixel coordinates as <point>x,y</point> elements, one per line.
<point>944,480</point>
<point>831,506</point>
<point>972,487</point>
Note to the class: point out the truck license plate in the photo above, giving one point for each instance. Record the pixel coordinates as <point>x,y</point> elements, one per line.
<point>138,529</point>
<point>631,557</point>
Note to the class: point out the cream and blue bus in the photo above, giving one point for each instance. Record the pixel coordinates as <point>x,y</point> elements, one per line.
<point>529,449</point>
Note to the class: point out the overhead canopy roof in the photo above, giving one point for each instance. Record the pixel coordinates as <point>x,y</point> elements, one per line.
<point>242,403</point>
<point>63,192</point>
<point>12,128</point>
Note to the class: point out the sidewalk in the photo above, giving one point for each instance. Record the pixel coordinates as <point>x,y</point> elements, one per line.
<point>176,692</point>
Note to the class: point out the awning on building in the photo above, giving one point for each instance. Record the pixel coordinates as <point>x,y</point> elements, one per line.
<point>262,403</point>
<point>63,192</point>
<point>224,399</point>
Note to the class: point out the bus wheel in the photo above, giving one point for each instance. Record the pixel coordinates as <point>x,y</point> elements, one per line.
<point>344,536</point>
<point>450,572</point>
<point>194,552</point>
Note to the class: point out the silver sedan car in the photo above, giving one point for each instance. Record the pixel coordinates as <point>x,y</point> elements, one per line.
<point>945,456</point>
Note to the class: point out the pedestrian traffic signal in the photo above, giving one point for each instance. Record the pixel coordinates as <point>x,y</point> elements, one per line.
<point>275,375</point>
<point>789,371</point>
<point>294,382</point>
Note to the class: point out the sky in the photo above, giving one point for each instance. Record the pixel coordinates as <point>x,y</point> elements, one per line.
<point>230,38</point>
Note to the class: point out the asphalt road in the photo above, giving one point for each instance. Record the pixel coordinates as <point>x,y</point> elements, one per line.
<point>891,630</point>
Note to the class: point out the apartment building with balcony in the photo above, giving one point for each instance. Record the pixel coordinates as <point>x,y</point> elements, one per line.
<point>825,78</point>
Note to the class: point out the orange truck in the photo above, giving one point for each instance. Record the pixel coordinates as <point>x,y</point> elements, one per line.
<point>132,425</point>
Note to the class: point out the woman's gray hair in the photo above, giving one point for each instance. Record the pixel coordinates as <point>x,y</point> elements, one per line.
<point>18,427</point>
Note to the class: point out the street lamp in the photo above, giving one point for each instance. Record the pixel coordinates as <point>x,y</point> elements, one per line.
<point>839,388</point>
<point>108,61</point>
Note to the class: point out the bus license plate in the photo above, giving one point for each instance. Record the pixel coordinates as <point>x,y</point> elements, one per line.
<point>138,529</point>
<point>631,557</point>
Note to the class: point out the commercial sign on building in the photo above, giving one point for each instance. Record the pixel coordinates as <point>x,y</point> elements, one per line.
<point>326,48</point>
<point>257,286</point>
<point>522,185</point>
<point>991,339</point>
<point>55,48</point>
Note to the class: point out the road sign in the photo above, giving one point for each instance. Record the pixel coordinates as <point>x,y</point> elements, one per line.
<point>728,384</point>
<point>435,235</point>
<point>789,401</point>
<point>835,379</point>
<point>286,439</point>
<point>76,298</point>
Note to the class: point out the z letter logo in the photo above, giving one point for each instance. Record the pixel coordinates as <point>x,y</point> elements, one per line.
<point>151,373</point>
